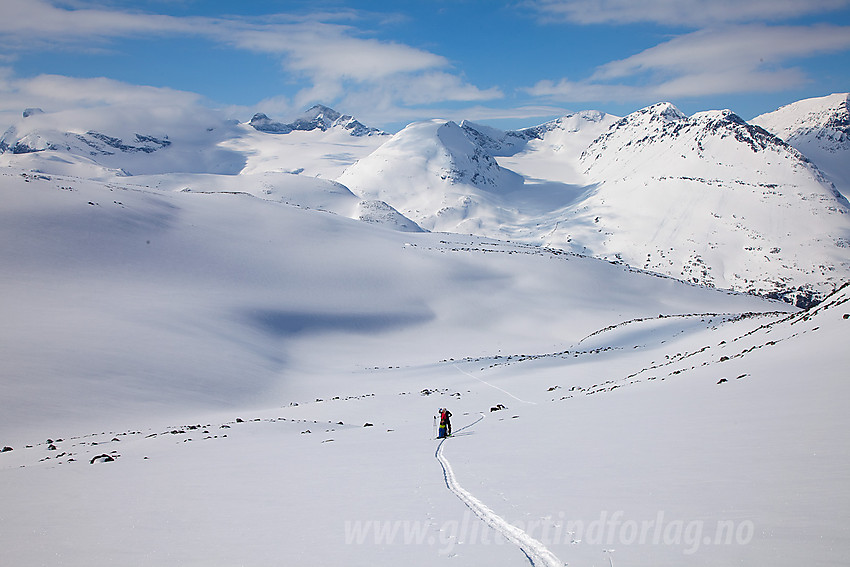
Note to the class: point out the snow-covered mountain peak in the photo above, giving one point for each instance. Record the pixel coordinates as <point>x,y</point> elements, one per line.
<point>663,127</point>
<point>820,129</point>
<point>262,123</point>
<point>828,116</point>
<point>32,112</point>
<point>718,116</point>
<point>317,117</point>
<point>665,111</point>
<point>432,172</point>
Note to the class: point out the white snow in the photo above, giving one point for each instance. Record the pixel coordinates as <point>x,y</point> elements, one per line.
<point>242,367</point>
<point>820,129</point>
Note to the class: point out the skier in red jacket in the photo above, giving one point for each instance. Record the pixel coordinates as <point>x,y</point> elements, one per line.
<point>444,420</point>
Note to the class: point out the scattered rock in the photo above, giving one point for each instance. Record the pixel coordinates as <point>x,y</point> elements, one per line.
<point>102,459</point>
<point>499,407</point>
<point>722,380</point>
<point>6,449</point>
<point>240,420</point>
<point>367,424</point>
<point>51,447</point>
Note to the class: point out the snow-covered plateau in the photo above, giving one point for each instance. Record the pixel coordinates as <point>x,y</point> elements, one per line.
<point>227,343</point>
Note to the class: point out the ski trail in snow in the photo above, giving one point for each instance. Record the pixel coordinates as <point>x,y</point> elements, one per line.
<point>492,386</point>
<point>537,553</point>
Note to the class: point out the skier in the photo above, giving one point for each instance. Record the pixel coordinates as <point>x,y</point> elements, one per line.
<point>445,422</point>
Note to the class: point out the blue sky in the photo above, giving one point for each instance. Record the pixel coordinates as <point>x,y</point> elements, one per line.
<point>509,64</point>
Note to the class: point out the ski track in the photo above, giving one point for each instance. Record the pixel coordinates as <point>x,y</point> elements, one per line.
<point>492,386</point>
<point>536,553</point>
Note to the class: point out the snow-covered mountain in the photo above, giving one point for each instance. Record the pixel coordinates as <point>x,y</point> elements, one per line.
<point>318,117</point>
<point>101,143</point>
<point>209,369</point>
<point>434,174</point>
<point>713,200</point>
<point>820,129</point>
<point>709,199</point>
<point>698,198</point>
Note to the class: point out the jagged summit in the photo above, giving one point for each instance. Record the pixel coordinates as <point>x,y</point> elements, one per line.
<point>317,117</point>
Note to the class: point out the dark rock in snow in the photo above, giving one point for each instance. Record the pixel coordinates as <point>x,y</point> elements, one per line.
<point>6,449</point>
<point>102,459</point>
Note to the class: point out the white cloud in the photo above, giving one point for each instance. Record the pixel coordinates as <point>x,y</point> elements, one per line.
<point>738,59</point>
<point>36,23</point>
<point>101,103</point>
<point>690,13</point>
<point>65,91</point>
<point>331,59</point>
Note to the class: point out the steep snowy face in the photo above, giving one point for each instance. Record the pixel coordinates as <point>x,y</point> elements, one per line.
<point>713,200</point>
<point>825,118</point>
<point>820,129</point>
<point>318,117</point>
<point>551,151</point>
<point>434,174</point>
<point>572,130</point>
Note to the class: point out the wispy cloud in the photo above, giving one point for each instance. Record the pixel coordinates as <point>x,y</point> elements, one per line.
<point>736,59</point>
<point>689,13</point>
<point>330,58</point>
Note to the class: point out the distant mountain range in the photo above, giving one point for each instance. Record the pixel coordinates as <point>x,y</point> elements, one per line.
<point>317,117</point>
<point>711,199</point>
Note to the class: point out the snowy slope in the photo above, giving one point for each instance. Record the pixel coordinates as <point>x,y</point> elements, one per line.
<point>226,353</point>
<point>714,200</point>
<point>436,176</point>
<point>205,369</point>
<point>820,129</point>
<point>313,153</point>
<point>554,148</point>
<point>122,296</point>
<point>290,189</point>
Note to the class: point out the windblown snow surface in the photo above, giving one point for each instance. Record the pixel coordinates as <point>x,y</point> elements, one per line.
<point>240,368</point>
